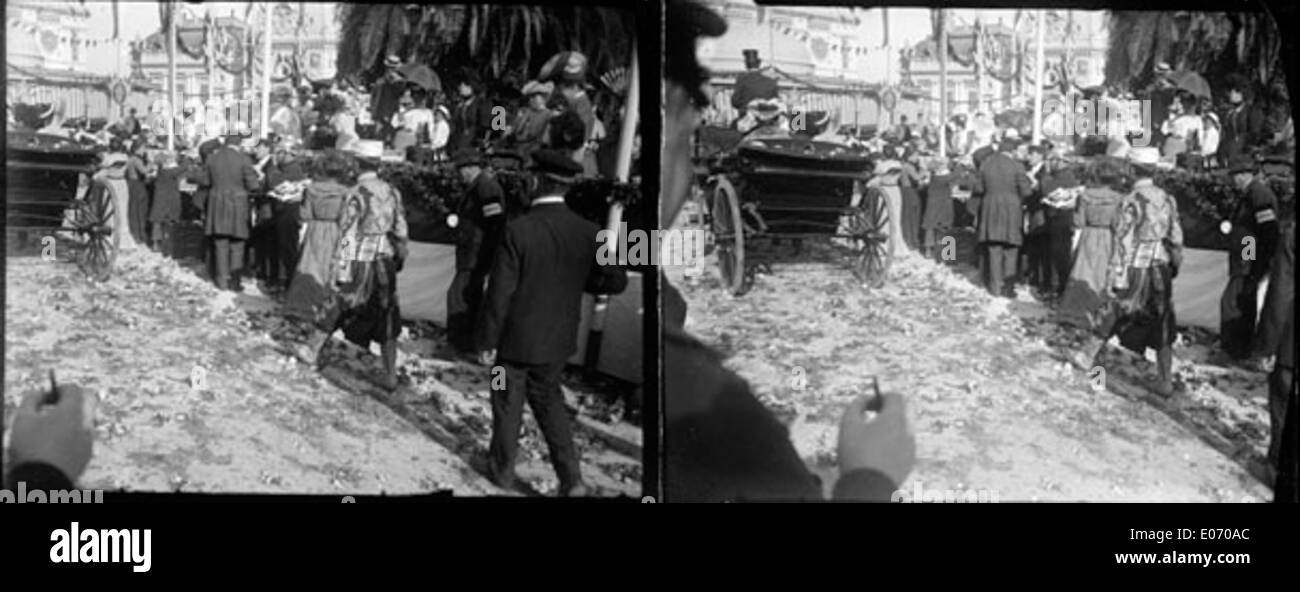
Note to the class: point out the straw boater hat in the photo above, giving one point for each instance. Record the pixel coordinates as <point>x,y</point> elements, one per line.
<point>392,61</point>
<point>113,159</point>
<point>888,166</point>
<point>368,149</point>
<point>1144,157</point>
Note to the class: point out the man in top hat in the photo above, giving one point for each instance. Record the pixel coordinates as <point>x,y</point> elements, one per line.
<point>754,83</point>
<point>388,95</point>
<point>1252,235</point>
<point>1004,184</point>
<point>478,221</point>
<point>546,260</point>
<point>228,174</point>
<point>720,442</point>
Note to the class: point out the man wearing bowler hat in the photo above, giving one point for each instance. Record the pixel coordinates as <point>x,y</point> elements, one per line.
<point>546,260</point>
<point>478,222</point>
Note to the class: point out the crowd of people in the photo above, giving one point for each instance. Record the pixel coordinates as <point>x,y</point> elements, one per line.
<point>1081,219</point>
<point>303,211</point>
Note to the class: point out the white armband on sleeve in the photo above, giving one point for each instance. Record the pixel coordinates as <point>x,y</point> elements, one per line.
<point>1266,215</point>
<point>492,209</point>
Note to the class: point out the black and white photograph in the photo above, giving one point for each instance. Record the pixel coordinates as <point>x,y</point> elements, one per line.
<point>323,248</point>
<point>978,255</point>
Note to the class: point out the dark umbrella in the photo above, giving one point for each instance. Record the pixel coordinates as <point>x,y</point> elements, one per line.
<point>422,76</point>
<point>1191,82</point>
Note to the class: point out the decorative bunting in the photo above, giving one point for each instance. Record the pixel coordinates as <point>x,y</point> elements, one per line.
<point>839,46</point>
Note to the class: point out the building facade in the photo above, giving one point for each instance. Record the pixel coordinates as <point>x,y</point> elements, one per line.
<point>304,47</point>
<point>47,48</point>
<point>1075,39</point>
<point>825,58</point>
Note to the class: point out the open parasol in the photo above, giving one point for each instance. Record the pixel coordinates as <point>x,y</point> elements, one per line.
<point>1191,82</point>
<point>422,76</point>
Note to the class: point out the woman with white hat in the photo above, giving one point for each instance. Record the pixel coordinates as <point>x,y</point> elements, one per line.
<point>886,180</point>
<point>111,178</point>
<point>440,131</point>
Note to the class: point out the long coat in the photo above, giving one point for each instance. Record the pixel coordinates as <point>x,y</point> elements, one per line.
<point>229,176</point>
<point>546,260</point>
<point>1004,184</point>
<point>322,206</point>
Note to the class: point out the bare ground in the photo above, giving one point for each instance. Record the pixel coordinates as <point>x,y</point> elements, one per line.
<point>994,407</point>
<point>199,394</point>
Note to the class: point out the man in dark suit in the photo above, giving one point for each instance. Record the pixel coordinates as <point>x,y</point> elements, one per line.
<point>1004,183</point>
<point>229,176</point>
<point>1243,124</point>
<point>530,322</point>
<point>478,222</point>
<point>753,84</point>
<point>1275,337</point>
<point>1282,388</point>
<point>1252,237</point>
<point>471,118</point>
<point>285,168</point>
<point>388,92</point>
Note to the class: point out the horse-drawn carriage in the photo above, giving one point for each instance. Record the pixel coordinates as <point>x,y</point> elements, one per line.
<point>48,198</point>
<point>783,186</point>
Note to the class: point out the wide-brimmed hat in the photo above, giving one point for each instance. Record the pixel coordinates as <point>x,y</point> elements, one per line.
<point>1144,156</point>
<point>538,88</point>
<point>556,165</point>
<point>371,149</point>
<point>1241,164</point>
<point>468,157</point>
<point>887,166</point>
<point>569,66</point>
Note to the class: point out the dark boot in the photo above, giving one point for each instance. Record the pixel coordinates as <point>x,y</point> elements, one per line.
<point>389,352</point>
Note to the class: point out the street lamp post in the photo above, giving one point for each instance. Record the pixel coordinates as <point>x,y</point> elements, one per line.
<point>1038,77</point>
<point>266,71</point>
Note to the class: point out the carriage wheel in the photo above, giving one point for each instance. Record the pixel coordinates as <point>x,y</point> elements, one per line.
<point>95,223</point>
<point>728,236</point>
<point>870,227</point>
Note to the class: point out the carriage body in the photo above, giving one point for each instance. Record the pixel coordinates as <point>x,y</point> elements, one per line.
<point>47,194</point>
<point>789,188</point>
